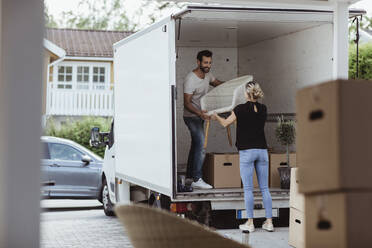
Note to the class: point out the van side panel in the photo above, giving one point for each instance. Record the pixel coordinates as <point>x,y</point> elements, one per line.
<point>143,125</point>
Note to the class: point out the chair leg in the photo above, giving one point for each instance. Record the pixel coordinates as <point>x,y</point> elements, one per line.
<point>229,135</point>
<point>206,134</point>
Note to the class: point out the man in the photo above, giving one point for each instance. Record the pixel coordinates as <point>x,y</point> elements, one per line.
<point>196,85</point>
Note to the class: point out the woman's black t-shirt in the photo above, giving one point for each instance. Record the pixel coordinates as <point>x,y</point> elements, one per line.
<point>250,133</point>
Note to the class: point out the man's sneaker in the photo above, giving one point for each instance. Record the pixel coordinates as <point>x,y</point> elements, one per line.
<point>200,184</point>
<point>268,226</point>
<point>247,227</point>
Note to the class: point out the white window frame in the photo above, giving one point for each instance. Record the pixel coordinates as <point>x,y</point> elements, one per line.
<point>82,85</point>
<point>65,83</point>
<point>74,83</point>
<point>97,85</point>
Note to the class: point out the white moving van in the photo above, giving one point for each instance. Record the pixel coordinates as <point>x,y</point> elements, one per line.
<point>284,46</point>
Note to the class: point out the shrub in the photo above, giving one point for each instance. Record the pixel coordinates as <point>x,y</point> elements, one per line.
<point>79,131</point>
<point>365,61</point>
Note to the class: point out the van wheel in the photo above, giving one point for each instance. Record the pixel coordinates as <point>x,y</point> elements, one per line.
<point>107,204</point>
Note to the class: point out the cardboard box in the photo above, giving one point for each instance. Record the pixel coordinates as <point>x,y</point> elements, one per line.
<point>334,136</point>
<point>296,199</point>
<point>222,170</point>
<point>275,160</point>
<point>338,220</point>
<point>296,228</point>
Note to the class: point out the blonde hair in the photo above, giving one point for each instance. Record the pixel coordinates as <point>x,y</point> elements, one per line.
<point>254,90</point>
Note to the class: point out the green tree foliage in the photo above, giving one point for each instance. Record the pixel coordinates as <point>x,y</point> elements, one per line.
<point>79,131</point>
<point>365,23</point>
<point>157,9</point>
<point>111,15</point>
<point>365,61</point>
<point>49,19</point>
<point>95,15</point>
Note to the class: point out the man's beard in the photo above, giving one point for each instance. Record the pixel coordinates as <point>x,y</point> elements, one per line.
<point>204,69</point>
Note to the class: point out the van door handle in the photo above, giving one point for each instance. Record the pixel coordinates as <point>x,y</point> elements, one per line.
<point>55,165</point>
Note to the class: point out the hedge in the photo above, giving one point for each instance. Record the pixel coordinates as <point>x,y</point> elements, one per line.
<point>365,61</point>
<point>79,131</point>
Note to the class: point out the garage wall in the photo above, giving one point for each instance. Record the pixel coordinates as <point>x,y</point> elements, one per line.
<point>285,64</point>
<point>224,67</point>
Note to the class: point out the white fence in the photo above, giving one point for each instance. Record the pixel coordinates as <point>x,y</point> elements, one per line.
<point>73,102</point>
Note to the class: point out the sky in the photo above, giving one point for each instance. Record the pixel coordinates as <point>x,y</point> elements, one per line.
<point>56,7</point>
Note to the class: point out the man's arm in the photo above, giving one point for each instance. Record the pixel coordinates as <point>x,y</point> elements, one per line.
<point>216,82</point>
<point>188,105</point>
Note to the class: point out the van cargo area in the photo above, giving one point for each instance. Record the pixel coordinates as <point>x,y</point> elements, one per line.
<point>276,47</point>
<point>282,48</point>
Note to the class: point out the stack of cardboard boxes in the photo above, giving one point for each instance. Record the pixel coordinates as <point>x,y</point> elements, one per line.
<point>296,213</point>
<point>222,170</point>
<point>334,159</point>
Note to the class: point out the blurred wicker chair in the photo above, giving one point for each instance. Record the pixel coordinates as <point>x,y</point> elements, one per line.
<point>153,228</point>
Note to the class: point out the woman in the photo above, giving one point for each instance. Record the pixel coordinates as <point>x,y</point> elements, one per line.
<point>251,143</point>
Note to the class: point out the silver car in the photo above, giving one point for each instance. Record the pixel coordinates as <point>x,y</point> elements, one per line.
<point>69,170</point>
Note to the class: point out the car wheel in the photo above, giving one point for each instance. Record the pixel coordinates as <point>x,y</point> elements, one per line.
<point>107,204</point>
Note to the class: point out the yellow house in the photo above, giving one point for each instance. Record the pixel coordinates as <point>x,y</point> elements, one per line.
<point>78,73</point>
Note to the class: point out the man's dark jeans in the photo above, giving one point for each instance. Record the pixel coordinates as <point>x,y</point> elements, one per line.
<point>197,152</point>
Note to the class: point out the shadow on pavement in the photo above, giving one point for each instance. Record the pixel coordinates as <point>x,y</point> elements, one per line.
<point>61,209</point>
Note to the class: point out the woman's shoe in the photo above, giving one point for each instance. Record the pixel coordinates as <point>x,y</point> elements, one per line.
<point>268,226</point>
<point>247,227</point>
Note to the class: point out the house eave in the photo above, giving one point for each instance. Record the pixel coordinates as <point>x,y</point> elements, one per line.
<point>53,48</point>
<point>89,58</point>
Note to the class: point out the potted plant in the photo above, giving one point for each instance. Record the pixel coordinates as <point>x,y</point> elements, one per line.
<point>285,133</point>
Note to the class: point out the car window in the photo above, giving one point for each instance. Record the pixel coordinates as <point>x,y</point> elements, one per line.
<point>45,150</point>
<point>64,152</point>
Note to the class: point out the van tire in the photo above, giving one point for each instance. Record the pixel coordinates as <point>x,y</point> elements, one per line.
<point>107,204</point>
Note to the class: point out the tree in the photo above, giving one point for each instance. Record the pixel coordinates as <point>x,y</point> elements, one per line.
<point>111,15</point>
<point>96,15</point>
<point>365,23</point>
<point>49,19</point>
<point>157,9</point>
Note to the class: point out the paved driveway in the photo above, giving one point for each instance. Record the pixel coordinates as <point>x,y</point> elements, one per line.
<point>86,226</point>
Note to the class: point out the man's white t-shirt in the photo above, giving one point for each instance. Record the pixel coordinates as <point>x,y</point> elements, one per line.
<point>197,87</point>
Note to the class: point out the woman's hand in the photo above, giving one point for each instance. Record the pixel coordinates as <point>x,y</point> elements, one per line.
<point>224,122</point>
<point>214,116</point>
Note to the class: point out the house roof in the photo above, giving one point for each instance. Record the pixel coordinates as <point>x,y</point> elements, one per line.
<point>85,43</point>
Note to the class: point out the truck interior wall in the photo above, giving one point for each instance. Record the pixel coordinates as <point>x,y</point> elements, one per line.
<point>286,63</point>
<point>224,67</point>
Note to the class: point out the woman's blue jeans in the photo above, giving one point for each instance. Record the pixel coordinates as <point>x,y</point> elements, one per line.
<point>258,159</point>
<point>197,152</point>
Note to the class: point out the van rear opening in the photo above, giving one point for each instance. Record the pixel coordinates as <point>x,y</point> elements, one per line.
<point>282,49</point>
